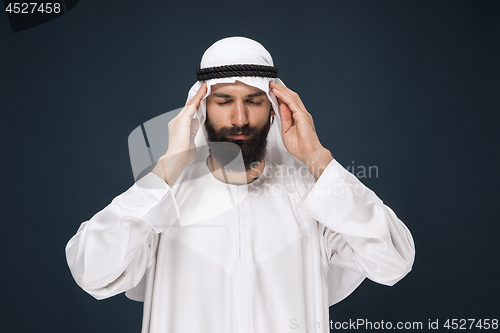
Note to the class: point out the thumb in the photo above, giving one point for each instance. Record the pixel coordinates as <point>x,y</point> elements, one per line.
<point>195,125</point>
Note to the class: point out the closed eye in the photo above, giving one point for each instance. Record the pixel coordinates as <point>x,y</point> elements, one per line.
<point>254,103</point>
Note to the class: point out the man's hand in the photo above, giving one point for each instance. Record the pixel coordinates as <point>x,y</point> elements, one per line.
<point>181,150</point>
<point>299,134</point>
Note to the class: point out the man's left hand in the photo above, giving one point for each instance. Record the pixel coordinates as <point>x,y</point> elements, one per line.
<point>298,132</point>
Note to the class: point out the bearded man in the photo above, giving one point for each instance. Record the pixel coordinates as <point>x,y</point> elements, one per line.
<point>228,233</point>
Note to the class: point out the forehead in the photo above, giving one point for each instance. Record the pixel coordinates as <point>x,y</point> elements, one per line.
<point>236,88</point>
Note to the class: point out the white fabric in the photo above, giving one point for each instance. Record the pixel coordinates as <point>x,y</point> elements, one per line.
<point>240,50</point>
<point>255,268</point>
<point>284,249</point>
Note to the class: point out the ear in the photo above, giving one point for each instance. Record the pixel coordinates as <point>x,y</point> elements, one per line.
<point>272,112</point>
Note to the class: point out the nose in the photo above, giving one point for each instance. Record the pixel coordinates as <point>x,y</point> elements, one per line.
<point>239,116</point>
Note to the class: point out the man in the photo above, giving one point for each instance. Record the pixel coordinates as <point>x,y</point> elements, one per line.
<point>241,240</point>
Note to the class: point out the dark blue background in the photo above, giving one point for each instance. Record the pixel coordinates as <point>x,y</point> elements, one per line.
<point>412,87</point>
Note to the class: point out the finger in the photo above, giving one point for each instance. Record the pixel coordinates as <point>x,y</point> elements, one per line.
<point>273,84</point>
<point>279,86</point>
<point>292,103</point>
<point>287,91</point>
<point>298,112</point>
<point>193,104</point>
<point>198,96</point>
<point>195,125</point>
<point>285,115</point>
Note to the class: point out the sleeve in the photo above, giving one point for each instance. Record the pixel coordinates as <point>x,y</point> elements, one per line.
<point>361,233</point>
<point>111,252</point>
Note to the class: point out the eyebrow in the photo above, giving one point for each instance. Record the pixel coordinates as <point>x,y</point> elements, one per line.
<point>255,94</point>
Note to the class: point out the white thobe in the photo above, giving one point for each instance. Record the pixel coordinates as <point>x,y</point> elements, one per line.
<point>284,248</point>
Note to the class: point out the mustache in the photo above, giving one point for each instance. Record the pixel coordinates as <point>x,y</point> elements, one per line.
<point>245,130</point>
<point>253,149</point>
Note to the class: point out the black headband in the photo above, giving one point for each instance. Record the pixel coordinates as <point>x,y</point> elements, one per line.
<point>236,70</point>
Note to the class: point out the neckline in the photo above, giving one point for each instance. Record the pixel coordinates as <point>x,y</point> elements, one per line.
<point>253,182</point>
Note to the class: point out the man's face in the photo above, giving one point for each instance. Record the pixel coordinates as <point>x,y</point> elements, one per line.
<point>240,114</point>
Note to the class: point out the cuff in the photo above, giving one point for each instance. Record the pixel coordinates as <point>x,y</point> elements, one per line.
<point>318,202</point>
<point>164,214</point>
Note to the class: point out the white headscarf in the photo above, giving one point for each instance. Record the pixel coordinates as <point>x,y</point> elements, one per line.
<point>239,51</point>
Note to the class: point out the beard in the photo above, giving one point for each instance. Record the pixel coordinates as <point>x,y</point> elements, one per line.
<point>225,150</point>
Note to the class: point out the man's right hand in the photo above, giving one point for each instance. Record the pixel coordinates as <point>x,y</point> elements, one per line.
<point>181,150</point>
